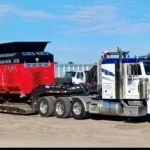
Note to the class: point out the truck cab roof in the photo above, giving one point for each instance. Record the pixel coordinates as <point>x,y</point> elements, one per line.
<point>124,60</point>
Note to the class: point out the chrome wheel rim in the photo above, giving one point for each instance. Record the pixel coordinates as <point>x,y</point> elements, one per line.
<point>43,107</point>
<point>60,108</point>
<point>77,108</point>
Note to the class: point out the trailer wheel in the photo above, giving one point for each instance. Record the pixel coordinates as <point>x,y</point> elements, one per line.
<point>53,99</point>
<point>62,107</point>
<point>78,110</point>
<point>46,107</point>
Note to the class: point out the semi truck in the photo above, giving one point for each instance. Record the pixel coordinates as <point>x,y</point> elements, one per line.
<point>27,84</point>
<point>123,89</point>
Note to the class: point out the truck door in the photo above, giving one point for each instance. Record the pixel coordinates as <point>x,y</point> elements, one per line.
<point>80,78</point>
<point>134,74</point>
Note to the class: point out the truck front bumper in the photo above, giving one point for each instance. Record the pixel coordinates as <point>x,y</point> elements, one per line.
<point>134,111</point>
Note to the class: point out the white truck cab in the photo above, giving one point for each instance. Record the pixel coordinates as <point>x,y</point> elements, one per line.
<point>123,86</point>
<point>126,80</point>
<point>78,77</point>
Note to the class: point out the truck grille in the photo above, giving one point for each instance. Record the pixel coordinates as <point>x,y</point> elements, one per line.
<point>131,111</point>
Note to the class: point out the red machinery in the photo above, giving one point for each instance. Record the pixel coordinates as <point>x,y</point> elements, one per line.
<point>24,66</point>
<point>27,78</point>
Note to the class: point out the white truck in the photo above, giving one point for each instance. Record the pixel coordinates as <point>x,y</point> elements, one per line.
<point>123,85</point>
<point>81,77</point>
<point>86,78</point>
<point>78,77</point>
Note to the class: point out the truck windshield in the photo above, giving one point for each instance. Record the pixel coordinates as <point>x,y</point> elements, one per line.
<point>70,74</point>
<point>147,67</point>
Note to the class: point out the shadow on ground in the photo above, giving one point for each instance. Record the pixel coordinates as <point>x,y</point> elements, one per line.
<point>101,117</point>
<point>121,119</point>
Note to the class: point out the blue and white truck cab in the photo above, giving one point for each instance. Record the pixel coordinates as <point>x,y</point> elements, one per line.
<point>124,86</point>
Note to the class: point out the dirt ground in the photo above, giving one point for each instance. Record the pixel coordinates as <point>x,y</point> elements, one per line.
<point>34,131</point>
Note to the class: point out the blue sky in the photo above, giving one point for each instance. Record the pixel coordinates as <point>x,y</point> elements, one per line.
<point>78,29</point>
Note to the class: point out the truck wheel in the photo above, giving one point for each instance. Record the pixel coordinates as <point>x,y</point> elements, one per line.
<point>53,99</point>
<point>78,110</point>
<point>46,107</point>
<point>62,107</point>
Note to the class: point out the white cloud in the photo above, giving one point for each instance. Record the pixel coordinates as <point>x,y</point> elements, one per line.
<point>94,14</point>
<point>7,10</point>
<point>100,19</point>
<point>106,19</point>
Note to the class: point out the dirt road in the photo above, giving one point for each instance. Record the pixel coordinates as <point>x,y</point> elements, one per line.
<point>34,131</point>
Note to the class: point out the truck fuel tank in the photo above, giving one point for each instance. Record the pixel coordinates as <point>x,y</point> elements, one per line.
<point>106,108</point>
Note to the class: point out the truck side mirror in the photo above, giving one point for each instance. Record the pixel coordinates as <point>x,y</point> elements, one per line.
<point>129,69</point>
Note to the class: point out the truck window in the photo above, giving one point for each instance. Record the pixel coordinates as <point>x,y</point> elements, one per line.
<point>80,75</point>
<point>136,69</point>
<point>147,67</point>
<point>70,74</point>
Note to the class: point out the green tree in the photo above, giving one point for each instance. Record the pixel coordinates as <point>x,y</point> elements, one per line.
<point>70,63</point>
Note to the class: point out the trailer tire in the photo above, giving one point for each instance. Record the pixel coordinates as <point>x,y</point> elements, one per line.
<point>53,99</point>
<point>49,104</point>
<point>82,114</point>
<point>62,108</point>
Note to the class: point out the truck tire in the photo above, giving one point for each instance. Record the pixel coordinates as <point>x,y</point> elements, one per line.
<point>78,110</point>
<point>46,107</point>
<point>62,108</point>
<point>53,99</point>
<point>64,80</point>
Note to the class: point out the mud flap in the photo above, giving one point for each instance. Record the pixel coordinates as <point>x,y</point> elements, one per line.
<point>148,106</point>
